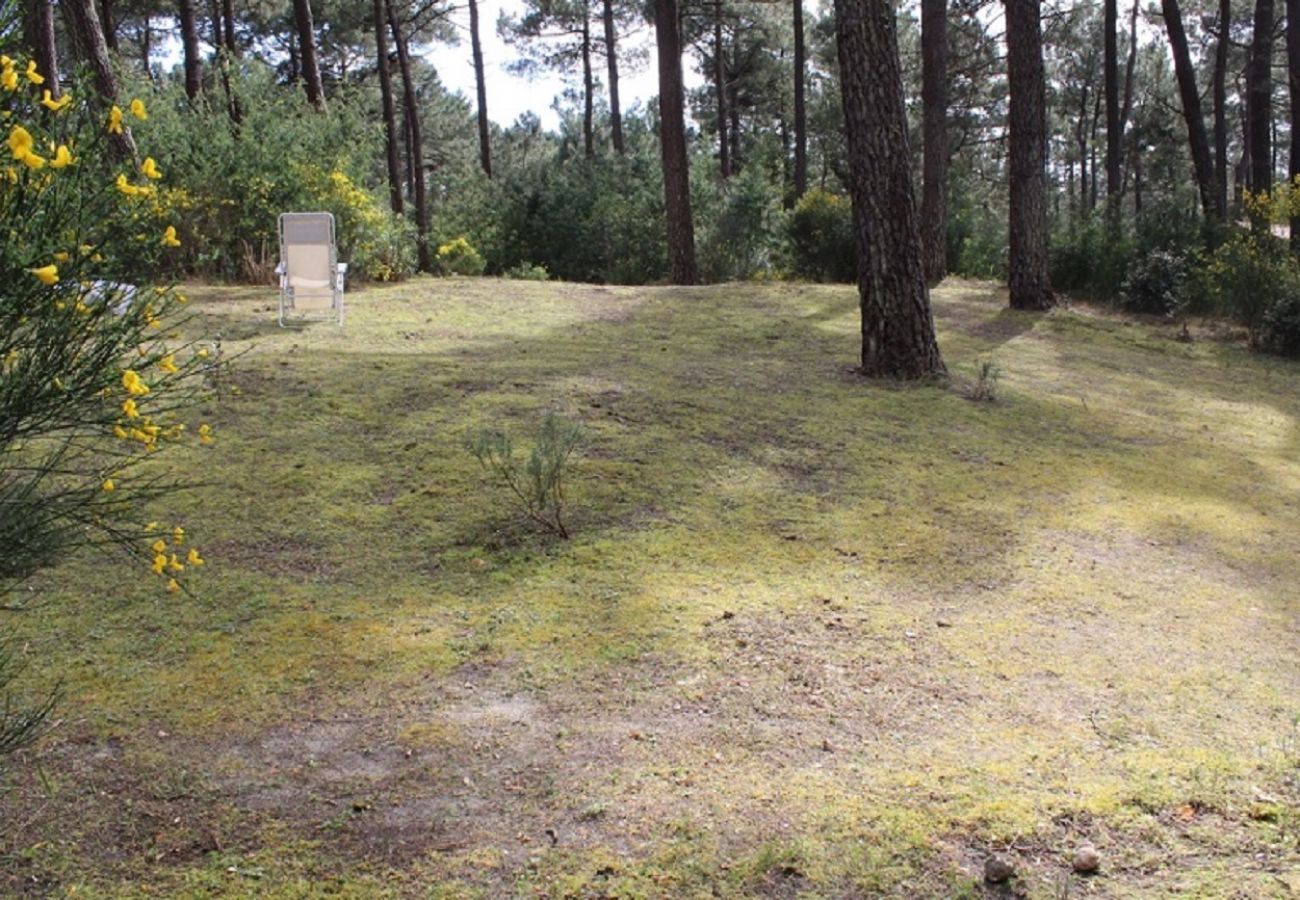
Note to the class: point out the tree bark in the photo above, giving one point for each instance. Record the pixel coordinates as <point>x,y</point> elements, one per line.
<point>1221,49</point>
<point>611,64</point>
<point>720,89</point>
<point>800,106</point>
<point>1259,102</point>
<point>1202,164</point>
<point>89,36</point>
<point>480,87</point>
<point>380,10</point>
<point>38,23</point>
<point>1029,282</point>
<point>1293,85</point>
<point>898,338</point>
<point>588,87</point>
<point>423,257</point>
<point>228,19</point>
<point>934,102</point>
<point>192,54</point>
<point>307,49</point>
<point>672,144</point>
<point>107,24</point>
<point>1114,130</point>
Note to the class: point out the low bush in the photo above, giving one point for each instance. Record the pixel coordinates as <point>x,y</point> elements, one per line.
<point>458,257</point>
<point>822,246</point>
<point>1156,283</point>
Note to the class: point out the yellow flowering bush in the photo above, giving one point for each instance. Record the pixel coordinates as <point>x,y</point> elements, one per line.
<point>93,382</point>
<point>458,257</point>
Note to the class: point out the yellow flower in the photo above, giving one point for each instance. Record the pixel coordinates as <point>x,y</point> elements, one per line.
<point>194,559</point>
<point>20,142</point>
<point>133,383</point>
<point>203,353</point>
<point>54,105</point>
<point>178,535</point>
<point>168,364</point>
<point>33,76</point>
<point>172,586</point>
<point>205,434</point>
<point>149,169</point>
<point>159,564</point>
<point>62,256</point>
<point>48,275</point>
<point>138,110</point>
<point>175,564</point>
<point>62,158</point>
<point>169,238</point>
<point>108,485</point>
<point>32,160</point>
<point>119,432</point>
<point>129,408</point>
<point>125,186</point>
<point>115,120</point>
<point>9,78</point>
<point>152,526</point>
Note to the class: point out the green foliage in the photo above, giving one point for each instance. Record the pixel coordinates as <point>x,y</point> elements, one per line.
<point>1090,258</point>
<point>526,271</point>
<point>984,387</point>
<point>977,240</point>
<point>537,483</point>
<point>1156,283</point>
<point>91,383</point>
<point>741,232</point>
<point>1254,280</point>
<point>821,237</point>
<point>458,257</point>
<point>20,724</point>
<point>227,184</point>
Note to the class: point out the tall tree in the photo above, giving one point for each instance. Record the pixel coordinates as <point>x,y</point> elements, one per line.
<point>1221,48</point>
<point>1259,100</point>
<point>480,87</point>
<point>934,102</point>
<point>89,36</point>
<point>672,144</point>
<point>1114,134</point>
<point>1293,85</point>
<point>412,109</point>
<point>1029,282</point>
<point>191,53</point>
<point>380,11</point>
<point>38,22</point>
<point>306,29</point>
<point>720,91</point>
<point>800,105</point>
<point>898,338</point>
<point>611,66</point>
<point>1202,164</point>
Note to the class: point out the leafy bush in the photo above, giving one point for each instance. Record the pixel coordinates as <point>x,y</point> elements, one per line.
<point>1247,276</point>
<point>458,257</point>
<point>1279,330</point>
<point>821,237</point>
<point>537,485</point>
<point>1156,283</point>
<point>740,232</point>
<point>526,271</point>
<point>1090,258</point>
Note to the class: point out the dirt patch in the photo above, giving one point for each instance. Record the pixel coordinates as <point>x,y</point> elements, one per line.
<point>276,555</point>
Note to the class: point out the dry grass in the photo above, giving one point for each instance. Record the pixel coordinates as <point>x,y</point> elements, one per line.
<point>813,635</point>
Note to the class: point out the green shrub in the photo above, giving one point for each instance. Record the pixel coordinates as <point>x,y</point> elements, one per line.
<point>740,232</point>
<point>1248,276</point>
<point>458,257</point>
<point>1279,330</point>
<point>822,243</point>
<point>1156,283</point>
<point>526,271</point>
<point>1091,259</point>
<point>536,485</point>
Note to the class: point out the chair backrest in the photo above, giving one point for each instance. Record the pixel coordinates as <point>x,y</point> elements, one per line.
<point>308,252</point>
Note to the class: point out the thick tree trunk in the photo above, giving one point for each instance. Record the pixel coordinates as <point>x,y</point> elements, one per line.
<point>191,53</point>
<point>672,144</point>
<point>1223,45</point>
<point>107,23</point>
<point>424,258</point>
<point>934,102</point>
<point>1293,85</point>
<point>1259,102</point>
<point>1202,164</point>
<point>1029,282</point>
<point>588,88</point>
<point>38,24</point>
<point>898,338</point>
<point>228,19</point>
<point>89,37</point>
<point>611,64</point>
<point>302,20</point>
<point>720,90</point>
<point>380,10</point>
<point>1114,129</point>
<point>480,88</point>
<point>800,106</point>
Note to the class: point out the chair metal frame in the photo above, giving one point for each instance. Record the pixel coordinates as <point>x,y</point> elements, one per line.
<point>334,279</point>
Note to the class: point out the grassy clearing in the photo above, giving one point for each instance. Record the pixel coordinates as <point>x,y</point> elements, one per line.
<point>812,635</point>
